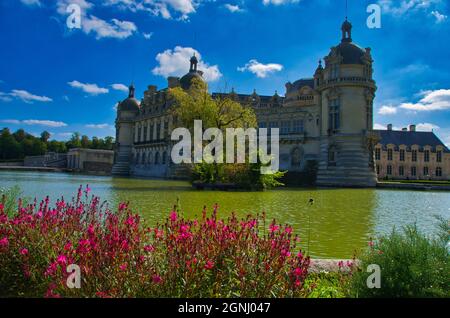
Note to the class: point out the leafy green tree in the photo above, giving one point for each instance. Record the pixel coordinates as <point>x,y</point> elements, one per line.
<point>74,141</point>
<point>9,147</point>
<point>85,142</point>
<point>45,136</point>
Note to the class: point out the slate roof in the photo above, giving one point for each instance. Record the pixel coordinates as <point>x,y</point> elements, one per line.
<point>351,53</point>
<point>303,82</point>
<point>409,138</point>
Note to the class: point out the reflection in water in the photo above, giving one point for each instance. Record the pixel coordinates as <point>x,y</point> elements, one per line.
<point>341,220</point>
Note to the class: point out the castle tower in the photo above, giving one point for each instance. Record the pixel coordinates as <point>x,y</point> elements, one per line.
<point>127,110</point>
<point>347,92</point>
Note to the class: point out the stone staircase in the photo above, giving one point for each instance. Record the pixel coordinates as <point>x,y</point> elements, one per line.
<point>122,165</point>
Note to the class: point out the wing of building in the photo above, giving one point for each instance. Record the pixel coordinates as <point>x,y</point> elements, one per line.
<point>411,155</point>
<point>326,120</point>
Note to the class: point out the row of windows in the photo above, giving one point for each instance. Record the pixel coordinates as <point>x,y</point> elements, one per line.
<point>413,171</point>
<point>286,126</point>
<point>152,136</point>
<point>143,158</point>
<point>426,155</point>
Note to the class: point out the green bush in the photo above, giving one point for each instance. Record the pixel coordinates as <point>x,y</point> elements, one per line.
<point>412,265</point>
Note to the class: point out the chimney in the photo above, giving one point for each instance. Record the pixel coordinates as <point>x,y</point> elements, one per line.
<point>412,127</point>
<point>389,127</point>
<point>173,81</point>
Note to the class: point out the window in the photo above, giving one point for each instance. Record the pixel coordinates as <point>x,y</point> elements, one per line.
<point>166,129</point>
<point>389,170</point>
<point>426,156</point>
<point>333,114</point>
<point>262,124</point>
<point>378,169</point>
<point>149,159</point>
<point>414,155</point>
<point>157,158</point>
<point>272,124</point>
<point>151,132</point>
<point>401,171</point>
<point>297,126</point>
<point>402,154</point>
<point>425,171</point>
<point>285,127</point>
<point>334,71</point>
<point>389,154</point>
<point>158,132</point>
<point>332,156</point>
<point>377,153</point>
<point>144,133</point>
<point>413,171</point>
<point>439,156</point>
<point>438,172</point>
<point>164,158</point>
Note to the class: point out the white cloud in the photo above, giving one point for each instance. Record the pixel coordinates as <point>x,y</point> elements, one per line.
<point>100,28</point>
<point>439,16</point>
<point>233,8</point>
<point>34,122</point>
<point>399,8</point>
<point>31,2</point>
<point>387,110</point>
<point>120,87</point>
<point>431,100</point>
<point>25,96</point>
<point>261,70</point>
<point>176,63</point>
<point>426,127</point>
<point>5,97</point>
<point>147,36</point>
<point>91,89</point>
<point>164,8</point>
<point>279,2</point>
<point>98,126</point>
<point>103,29</point>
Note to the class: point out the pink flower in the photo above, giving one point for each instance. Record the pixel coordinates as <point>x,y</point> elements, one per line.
<point>68,246</point>
<point>156,279</point>
<point>209,264</point>
<point>51,269</point>
<point>4,242</point>
<point>288,230</point>
<point>87,189</point>
<point>371,243</point>
<point>298,271</point>
<point>2,207</point>
<point>123,267</point>
<point>62,260</point>
<point>149,248</point>
<point>173,216</point>
<point>273,228</point>
<point>24,252</point>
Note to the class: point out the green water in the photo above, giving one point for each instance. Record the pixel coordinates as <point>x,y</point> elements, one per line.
<point>341,220</point>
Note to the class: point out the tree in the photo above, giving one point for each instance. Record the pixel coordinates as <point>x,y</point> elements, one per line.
<point>9,147</point>
<point>74,141</point>
<point>85,142</point>
<point>45,136</point>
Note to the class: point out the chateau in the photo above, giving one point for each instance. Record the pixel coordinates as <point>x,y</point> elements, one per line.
<point>326,119</point>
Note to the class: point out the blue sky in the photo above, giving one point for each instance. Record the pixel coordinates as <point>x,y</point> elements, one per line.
<point>65,80</point>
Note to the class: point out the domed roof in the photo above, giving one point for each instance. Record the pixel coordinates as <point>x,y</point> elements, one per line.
<point>131,103</point>
<point>186,80</point>
<point>350,52</point>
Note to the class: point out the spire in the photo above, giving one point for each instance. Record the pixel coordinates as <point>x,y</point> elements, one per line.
<point>194,63</point>
<point>346,31</point>
<point>131,91</point>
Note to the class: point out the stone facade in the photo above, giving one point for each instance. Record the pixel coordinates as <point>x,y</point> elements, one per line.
<point>325,119</point>
<point>411,155</point>
<point>90,160</point>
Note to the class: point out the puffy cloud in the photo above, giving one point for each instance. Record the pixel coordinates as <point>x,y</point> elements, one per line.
<point>401,7</point>
<point>233,8</point>
<point>91,89</point>
<point>34,122</point>
<point>439,16</point>
<point>25,96</point>
<point>100,28</point>
<point>120,87</point>
<point>176,63</point>
<point>164,8</point>
<point>147,36</point>
<point>387,110</point>
<point>426,127</point>
<point>279,2</point>
<point>431,100</point>
<point>259,69</point>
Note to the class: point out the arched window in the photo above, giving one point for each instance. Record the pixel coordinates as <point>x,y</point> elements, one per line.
<point>438,172</point>
<point>164,158</point>
<point>157,158</point>
<point>149,158</point>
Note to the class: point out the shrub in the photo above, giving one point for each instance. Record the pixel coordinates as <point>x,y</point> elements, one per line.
<point>412,265</point>
<point>120,257</point>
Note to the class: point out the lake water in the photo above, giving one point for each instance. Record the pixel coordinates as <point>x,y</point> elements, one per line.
<point>342,221</point>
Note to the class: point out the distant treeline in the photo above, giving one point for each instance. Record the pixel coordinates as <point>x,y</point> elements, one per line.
<point>20,144</point>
